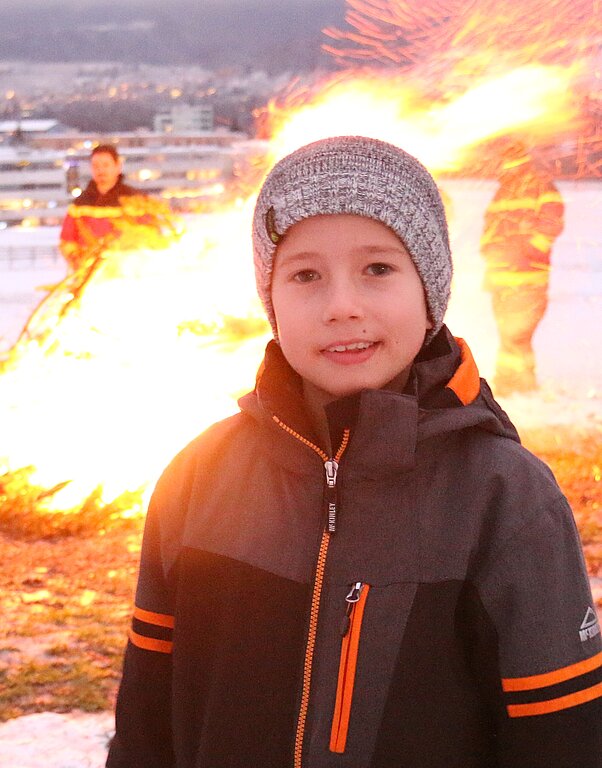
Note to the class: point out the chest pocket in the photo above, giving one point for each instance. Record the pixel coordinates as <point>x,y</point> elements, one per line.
<point>361,629</point>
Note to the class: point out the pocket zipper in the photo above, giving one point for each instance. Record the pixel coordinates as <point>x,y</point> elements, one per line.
<point>351,628</point>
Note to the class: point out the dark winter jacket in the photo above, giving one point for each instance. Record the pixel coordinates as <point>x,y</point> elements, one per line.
<point>430,609</point>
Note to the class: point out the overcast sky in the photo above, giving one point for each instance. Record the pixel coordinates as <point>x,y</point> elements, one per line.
<point>211,33</point>
<point>83,5</point>
<point>309,8</point>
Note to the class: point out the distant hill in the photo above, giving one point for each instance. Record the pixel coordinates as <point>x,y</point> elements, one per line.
<point>274,35</point>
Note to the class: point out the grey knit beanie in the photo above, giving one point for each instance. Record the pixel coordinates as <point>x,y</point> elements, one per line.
<point>366,177</point>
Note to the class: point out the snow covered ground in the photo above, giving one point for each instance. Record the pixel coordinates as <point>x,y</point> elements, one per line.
<point>53,740</point>
<point>567,345</point>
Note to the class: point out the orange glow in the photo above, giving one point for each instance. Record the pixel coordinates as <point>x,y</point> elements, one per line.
<point>534,98</point>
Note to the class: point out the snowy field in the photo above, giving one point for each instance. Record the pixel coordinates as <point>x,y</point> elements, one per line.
<point>569,366</point>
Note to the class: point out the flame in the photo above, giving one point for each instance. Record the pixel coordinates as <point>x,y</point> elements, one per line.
<point>534,98</point>
<point>120,367</point>
<point>450,47</point>
<point>455,37</point>
<point>105,389</point>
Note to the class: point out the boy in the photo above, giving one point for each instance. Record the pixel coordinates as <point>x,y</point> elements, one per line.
<point>363,567</point>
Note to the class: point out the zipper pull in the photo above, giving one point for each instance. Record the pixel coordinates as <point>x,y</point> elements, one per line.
<point>331,467</point>
<point>351,599</point>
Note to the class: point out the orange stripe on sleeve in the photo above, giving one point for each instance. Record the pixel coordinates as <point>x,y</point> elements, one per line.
<point>465,381</point>
<point>150,643</point>
<point>555,705</point>
<point>551,678</point>
<point>160,619</point>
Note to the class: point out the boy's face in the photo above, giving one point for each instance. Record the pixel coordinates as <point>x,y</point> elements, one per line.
<point>349,304</point>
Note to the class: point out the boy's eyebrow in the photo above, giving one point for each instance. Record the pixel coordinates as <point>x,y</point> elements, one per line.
<point>291,258</point>
<point>366,250</point>
<point>383,249</point>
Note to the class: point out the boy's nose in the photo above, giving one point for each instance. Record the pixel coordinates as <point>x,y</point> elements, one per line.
<point>343,302</point>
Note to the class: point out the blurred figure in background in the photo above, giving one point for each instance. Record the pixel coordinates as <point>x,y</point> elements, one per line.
<point>522,222</point>
<point>91,217</point>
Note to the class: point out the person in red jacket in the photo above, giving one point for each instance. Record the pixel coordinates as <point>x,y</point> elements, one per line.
<point>522,222</point>
<point>91,217</point>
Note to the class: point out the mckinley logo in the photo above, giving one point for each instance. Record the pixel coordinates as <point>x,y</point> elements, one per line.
<point>332,516</point>
<point>589,626</point>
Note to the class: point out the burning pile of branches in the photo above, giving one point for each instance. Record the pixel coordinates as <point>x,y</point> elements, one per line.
<point>473,37</point>
<point>25,512</point>
<point>98,367</point>
<point>446,45</point>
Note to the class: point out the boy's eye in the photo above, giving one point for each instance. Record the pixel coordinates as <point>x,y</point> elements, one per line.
<point>305,276</point>
<point>378,269</point>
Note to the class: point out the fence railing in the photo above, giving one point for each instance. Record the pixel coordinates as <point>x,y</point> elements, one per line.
<point>16,255</point>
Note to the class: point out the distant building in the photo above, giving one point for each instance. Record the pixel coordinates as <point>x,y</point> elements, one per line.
<point>184,118</point>
<point>142,137</point>
<point>32,186</point>
<point>29,128</point>
<point>193,172</point>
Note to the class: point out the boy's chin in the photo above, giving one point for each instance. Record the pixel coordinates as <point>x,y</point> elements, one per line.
<point>320,396</point>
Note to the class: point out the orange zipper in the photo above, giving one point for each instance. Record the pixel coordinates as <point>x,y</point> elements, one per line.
<point>356,602</point>
<point>331,466</point>
<point>309,648</point>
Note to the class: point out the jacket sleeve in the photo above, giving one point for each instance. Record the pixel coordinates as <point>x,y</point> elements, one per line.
<point>143,712</point>
<point>546,693</point>
<point>69,243</point>
<point>143,718</point>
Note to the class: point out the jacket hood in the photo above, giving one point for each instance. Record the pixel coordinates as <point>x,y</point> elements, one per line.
<point>450,393</point>
<point>444,394</point>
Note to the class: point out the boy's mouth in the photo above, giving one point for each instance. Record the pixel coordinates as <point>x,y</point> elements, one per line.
<point>356,346</point>
<point>352,353</point>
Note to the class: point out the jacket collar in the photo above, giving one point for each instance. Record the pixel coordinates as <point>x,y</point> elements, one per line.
<point>444,393</point>
<point>444,374</point>
<point>92,196</point>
